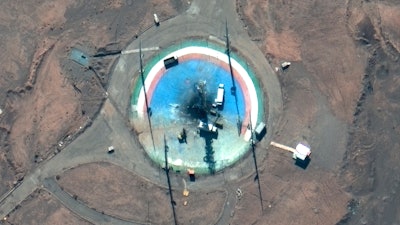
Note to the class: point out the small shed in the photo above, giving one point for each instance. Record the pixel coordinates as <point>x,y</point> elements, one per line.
<point>79,57</point>
<point>191,174</point>
<point>302,152</point>
<point>110,149</point>
<point>170,62</point>
<point>285,65</point>
<point>260,130</point>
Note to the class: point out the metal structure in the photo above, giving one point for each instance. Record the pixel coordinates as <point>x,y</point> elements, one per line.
<point>201,88</point>
<point>300,152</point>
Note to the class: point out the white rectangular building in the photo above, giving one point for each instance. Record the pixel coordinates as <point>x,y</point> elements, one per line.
<point>220,95</point>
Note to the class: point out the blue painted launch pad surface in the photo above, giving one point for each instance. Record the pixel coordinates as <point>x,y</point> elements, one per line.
<point>172,97</point>
<point>176,90</point>
<point>174,101</point>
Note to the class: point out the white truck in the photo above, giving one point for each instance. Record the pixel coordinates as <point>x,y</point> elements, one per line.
<point>156,20</point>
<point>220,95</point>
<point>110,149</point>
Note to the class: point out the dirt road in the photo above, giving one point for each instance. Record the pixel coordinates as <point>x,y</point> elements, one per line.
<point>304,114</point>
<point>111,127</point>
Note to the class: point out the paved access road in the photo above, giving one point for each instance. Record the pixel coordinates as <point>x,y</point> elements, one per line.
<point>204,18</point>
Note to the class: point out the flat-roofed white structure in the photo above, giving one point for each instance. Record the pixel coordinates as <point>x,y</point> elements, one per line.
<point>260,130</point>
<point>302,152</point>
<point>220,95</point>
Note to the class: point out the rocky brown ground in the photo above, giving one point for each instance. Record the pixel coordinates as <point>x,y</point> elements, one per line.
<point>351,51</point>
<point>41,208</point>
<point>291,195</point>
<point>117,192</point>
<point>46,98</point>
<point>43,91</point>
<point>343,54</point>
<point>370,166</point>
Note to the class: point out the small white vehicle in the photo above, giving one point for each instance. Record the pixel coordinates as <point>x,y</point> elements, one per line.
<point>110,149</point>
<point>156,20</point>
<point>285,65</point>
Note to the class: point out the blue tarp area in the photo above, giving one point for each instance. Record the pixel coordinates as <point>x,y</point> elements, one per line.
<point>79,57</point>
<point>177,88</point>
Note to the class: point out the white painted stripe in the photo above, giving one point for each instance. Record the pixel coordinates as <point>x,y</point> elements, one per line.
<point>210,52</point>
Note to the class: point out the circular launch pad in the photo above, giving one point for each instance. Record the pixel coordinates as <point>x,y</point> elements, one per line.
<point>183,96</point>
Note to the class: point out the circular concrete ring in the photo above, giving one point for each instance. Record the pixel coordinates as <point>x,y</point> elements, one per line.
<point>247,81</point>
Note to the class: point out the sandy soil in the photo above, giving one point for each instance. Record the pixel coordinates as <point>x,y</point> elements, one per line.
<point>115,191</point>
<point>290,194</point>
<point>351,53</point>
<point>45,97</point>
<point>41,208</point>
<point>311,83</point>
<point>304,31</point>
<point>345,56</point>
<point>370,169</point>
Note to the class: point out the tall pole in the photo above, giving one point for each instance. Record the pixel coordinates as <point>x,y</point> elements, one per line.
<point>145,94</point>
<point>169,181</point>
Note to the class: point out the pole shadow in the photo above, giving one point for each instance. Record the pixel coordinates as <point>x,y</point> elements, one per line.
<point>209,151</point>
<point>303,163</point>
<point>233,88</point>
<point>173,203</point>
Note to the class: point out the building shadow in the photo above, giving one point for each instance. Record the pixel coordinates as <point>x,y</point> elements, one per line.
<point>257,176</point>
<point>303,163</point>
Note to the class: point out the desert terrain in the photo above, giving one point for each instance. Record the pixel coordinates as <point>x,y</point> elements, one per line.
<point>350,52</point>
<point>340,95</point>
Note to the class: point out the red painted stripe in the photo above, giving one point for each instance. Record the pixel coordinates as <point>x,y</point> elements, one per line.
<point>153,86</point>
<point>215,61</point>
